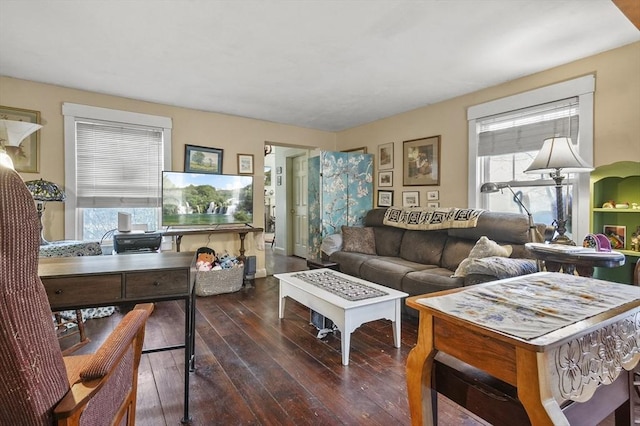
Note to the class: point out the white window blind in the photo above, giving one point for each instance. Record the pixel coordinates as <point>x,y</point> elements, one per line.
<point>118,165</point>
<point>526,129</point>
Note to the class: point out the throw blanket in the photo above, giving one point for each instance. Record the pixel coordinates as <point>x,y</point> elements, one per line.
<point>429,219</point>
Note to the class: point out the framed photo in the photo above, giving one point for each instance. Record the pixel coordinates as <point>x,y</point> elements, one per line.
<point>385,156</point>
<point>360,150</point>
<point>421,161</point>
<point>433,205</point>
<point>385,198</point>
<point>616,235</point>
<point>202,159</point>
<point>433,195</point>
<point>385,179</point>
<point>245,164</point>
<point>26,156</point>
<point>410,199</point>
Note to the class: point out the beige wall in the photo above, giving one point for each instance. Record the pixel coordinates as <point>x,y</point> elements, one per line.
<point>233,134</point>
<point>616,121</point>
<point>616,133</point>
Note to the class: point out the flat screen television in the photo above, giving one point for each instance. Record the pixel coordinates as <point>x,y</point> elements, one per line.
<point>200,199</point>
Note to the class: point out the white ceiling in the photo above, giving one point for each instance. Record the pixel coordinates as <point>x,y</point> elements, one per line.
<point>327,65</point>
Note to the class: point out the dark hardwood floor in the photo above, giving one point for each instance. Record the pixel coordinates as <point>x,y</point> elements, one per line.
<point>253,368</point>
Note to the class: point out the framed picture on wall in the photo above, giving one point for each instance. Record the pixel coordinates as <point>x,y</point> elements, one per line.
<point>202,159</point>
<point>385,198</point>
<point>245,164</point>
<point>26,156</point>
<point>410,199</point>
<point>421,161</point>
<point>385,156</point>
<point>385,179</point>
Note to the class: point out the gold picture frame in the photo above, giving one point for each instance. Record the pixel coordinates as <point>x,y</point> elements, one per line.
<point>26,157</point>
<point>421,162</point>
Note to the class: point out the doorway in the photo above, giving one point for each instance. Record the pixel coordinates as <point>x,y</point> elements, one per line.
<point>287,198</point>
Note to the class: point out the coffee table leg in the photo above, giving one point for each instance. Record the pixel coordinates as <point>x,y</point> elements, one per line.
<point>396,325</point>
<point>281,298</point>
<point>346,343</point>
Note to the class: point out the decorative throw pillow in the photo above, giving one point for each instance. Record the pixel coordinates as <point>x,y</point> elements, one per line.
<point>484,248</point>
<point>358,239</point>
<point>502,267</point>
<point>331,244</point>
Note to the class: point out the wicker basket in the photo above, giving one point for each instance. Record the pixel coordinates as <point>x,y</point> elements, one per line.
<point>219,281</point>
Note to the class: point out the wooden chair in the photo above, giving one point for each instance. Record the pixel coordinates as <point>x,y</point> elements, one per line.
<point>39,386</point>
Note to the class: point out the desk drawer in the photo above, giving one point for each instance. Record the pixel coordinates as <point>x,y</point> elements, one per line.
<point>83,291</point>
<point>157,283</point>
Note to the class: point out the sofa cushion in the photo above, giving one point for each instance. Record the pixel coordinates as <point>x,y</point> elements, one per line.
<point>484,247</point>
<point>455,251</point>
<point>388,240</point>
<point>350,261</point>
<point>388,271</point>
<point>423,246</point>
<point>429,280</point>
<point>498,226</point>
<point>358,239</point>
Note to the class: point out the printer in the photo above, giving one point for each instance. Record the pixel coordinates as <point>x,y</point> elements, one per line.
<point>136,242</point>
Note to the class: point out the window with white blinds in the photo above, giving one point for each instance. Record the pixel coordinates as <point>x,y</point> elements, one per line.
<point>526,129</point>
<point>118,165</point>
<point>113,162</point>
<point>506,134</point>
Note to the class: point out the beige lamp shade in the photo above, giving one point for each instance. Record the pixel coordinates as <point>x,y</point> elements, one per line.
<point>557,154</point>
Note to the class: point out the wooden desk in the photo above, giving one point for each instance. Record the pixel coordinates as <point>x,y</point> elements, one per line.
<point>242,233</point>
<point>80,282</point>
<point>546,370</point>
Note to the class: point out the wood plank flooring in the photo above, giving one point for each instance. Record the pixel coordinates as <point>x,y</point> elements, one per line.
<point>254,369</point>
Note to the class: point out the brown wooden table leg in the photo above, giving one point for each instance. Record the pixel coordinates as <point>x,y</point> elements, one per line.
<point>419,367</point>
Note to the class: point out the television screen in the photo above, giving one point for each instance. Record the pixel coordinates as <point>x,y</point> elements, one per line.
<point>196,199</point>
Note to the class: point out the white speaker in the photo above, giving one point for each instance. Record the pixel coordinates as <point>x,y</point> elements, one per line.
<point>124,222</point>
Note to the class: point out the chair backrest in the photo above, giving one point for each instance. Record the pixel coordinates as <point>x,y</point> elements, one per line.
<point>33,373</point>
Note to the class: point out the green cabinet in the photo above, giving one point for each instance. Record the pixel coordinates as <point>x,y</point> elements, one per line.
<point>618,182</point>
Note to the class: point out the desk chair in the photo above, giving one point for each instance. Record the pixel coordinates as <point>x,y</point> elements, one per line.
<point>39,386</point>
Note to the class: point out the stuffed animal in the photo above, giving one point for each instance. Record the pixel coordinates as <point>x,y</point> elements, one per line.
<point>206,259</point>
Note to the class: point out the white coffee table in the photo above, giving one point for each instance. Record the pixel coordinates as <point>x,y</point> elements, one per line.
<point>346,315</point>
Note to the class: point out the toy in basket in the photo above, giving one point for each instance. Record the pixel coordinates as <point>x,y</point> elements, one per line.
<point>217,274</point>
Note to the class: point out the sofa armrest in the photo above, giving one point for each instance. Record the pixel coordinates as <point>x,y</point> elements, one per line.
<point>497,268</point>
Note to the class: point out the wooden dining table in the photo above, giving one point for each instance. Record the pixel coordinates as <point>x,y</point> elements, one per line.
<point>554,337</point>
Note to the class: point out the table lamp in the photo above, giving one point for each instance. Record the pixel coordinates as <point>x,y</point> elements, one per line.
<point>491,187</point>
<point>43,191</point>
<point>556,156</point>
<point>12,133</point>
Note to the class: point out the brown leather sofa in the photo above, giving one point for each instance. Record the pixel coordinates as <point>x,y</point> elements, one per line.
<point>419,262</point>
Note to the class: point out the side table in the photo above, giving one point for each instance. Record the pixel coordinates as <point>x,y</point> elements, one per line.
<point>319,263</point>
<point>572,259</point>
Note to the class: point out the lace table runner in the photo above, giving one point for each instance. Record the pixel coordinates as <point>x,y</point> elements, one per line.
<point>534,305</point>
<point>343,287</point>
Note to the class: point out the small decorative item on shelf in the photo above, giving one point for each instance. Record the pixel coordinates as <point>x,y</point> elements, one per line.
<point>609,205</point>
<point>597,241</point>
<point>622,205</point>
<point>616,235</point>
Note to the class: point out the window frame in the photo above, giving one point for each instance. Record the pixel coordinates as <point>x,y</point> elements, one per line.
<point>76,112</point>
<point>583,88</point>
